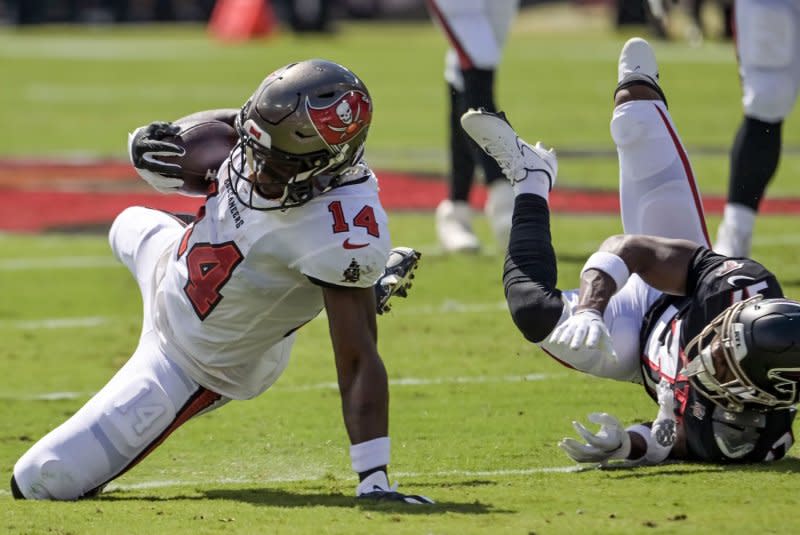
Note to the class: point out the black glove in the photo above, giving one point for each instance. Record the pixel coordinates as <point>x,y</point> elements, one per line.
<point>146,144</point>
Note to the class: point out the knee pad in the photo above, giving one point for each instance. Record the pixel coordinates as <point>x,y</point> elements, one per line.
<point>124,234</point>
<point>769,95</point>
<point>52,480</point>
<point>136,416</point>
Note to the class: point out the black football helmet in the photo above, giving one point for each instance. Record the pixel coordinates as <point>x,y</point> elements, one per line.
<point>300,132</point>
<point>761,343</point>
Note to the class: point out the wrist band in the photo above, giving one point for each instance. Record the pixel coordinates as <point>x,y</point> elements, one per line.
<point>655,453</point>
<point>369,454</point>
<point>610,264</point>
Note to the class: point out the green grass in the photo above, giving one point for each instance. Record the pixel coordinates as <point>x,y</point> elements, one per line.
<point>466,428</point>
<point>475,410</point>
<point>79,90</point>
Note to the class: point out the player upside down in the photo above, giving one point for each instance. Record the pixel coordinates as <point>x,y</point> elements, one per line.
<point>712,339</point>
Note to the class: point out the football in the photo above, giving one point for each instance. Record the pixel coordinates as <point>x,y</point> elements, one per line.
<point>207,144</point>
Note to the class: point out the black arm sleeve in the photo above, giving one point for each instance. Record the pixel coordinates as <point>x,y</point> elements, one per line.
<point>530,273</point>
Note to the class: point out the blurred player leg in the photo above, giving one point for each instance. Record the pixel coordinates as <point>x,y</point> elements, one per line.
<point>454,215</point>
<point>768,46</point>
<point>656,177</point>
<point>477,30</point>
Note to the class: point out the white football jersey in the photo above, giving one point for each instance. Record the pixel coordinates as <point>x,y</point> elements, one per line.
<point>238,284</point>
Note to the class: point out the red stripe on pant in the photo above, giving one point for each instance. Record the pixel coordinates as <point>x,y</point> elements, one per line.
<point>463,58</point>
<point>199,401</point>
<point>687,168</point>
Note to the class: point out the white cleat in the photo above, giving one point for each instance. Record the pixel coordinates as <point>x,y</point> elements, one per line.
<point>454,227</point>
<point>516,158</point>
<point>637,56</point>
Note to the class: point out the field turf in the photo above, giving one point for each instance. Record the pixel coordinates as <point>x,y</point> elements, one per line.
<point>475,410</point>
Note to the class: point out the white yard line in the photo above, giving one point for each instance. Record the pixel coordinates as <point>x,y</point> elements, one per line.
<point>60,262</point>
<point>403,381</point>
<point>160,484</point>
<point>55,323</point>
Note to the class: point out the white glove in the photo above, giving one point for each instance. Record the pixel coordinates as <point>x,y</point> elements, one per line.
<point>376,487</point>
<point>584,330</point>
<point>144,150</point>
<point>610,442</point>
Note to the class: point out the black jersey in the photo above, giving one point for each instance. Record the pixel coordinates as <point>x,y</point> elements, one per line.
<point>713,434</point>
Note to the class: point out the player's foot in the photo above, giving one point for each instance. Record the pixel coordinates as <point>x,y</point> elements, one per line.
<point>732,242</point>
<point>454,227</point>
<point>397,276</point>
<point>499,209</point>
<point>517,159</point>
<point>637,57</point>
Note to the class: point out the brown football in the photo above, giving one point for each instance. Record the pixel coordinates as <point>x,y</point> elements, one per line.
<point>207,144</point>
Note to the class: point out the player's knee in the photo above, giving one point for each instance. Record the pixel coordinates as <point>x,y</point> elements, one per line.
<point>534,309</point>
<point>38,478</point>
<point>122,229</point>
<point>769,97</point>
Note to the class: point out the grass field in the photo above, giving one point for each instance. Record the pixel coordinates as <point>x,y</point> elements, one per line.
<point>476,411</point>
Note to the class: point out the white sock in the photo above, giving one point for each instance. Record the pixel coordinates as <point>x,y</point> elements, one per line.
<point>739,218</point>
<point>537,182</point>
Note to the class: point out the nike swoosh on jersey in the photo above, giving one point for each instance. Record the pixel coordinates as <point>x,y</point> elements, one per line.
<point>347,245</point>
<point>732,280</point>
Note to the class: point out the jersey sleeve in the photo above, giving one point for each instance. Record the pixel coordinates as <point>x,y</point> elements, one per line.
<point>346,241</point>
<point>713,274</point>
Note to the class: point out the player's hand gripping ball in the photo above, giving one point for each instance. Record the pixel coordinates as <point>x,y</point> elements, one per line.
<point>182,158</point>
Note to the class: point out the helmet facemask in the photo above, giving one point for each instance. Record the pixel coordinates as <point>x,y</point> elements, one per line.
<point>734,394</point>
<point>299,134</point>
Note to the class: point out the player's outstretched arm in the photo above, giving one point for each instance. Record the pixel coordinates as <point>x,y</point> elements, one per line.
<point>640,444</point>
<point>364,389</point>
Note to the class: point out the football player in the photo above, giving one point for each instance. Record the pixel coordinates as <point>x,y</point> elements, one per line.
<point>476,31</point>
<point>291,226</point>
<point>712,339</point>
<point>768,49</point>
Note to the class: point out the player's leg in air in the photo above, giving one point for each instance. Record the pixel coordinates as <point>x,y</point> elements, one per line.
<point>147,399</point>
<point>656,183</point>
<point>657,188</point>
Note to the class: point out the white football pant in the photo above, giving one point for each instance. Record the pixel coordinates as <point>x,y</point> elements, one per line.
<point>768,47</point>
<point>147,399</point>
<point>476,31</point>
<point>658,196</point>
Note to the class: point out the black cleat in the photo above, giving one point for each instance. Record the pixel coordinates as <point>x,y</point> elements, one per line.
<point>396,278</point>
<point>15,489</point>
